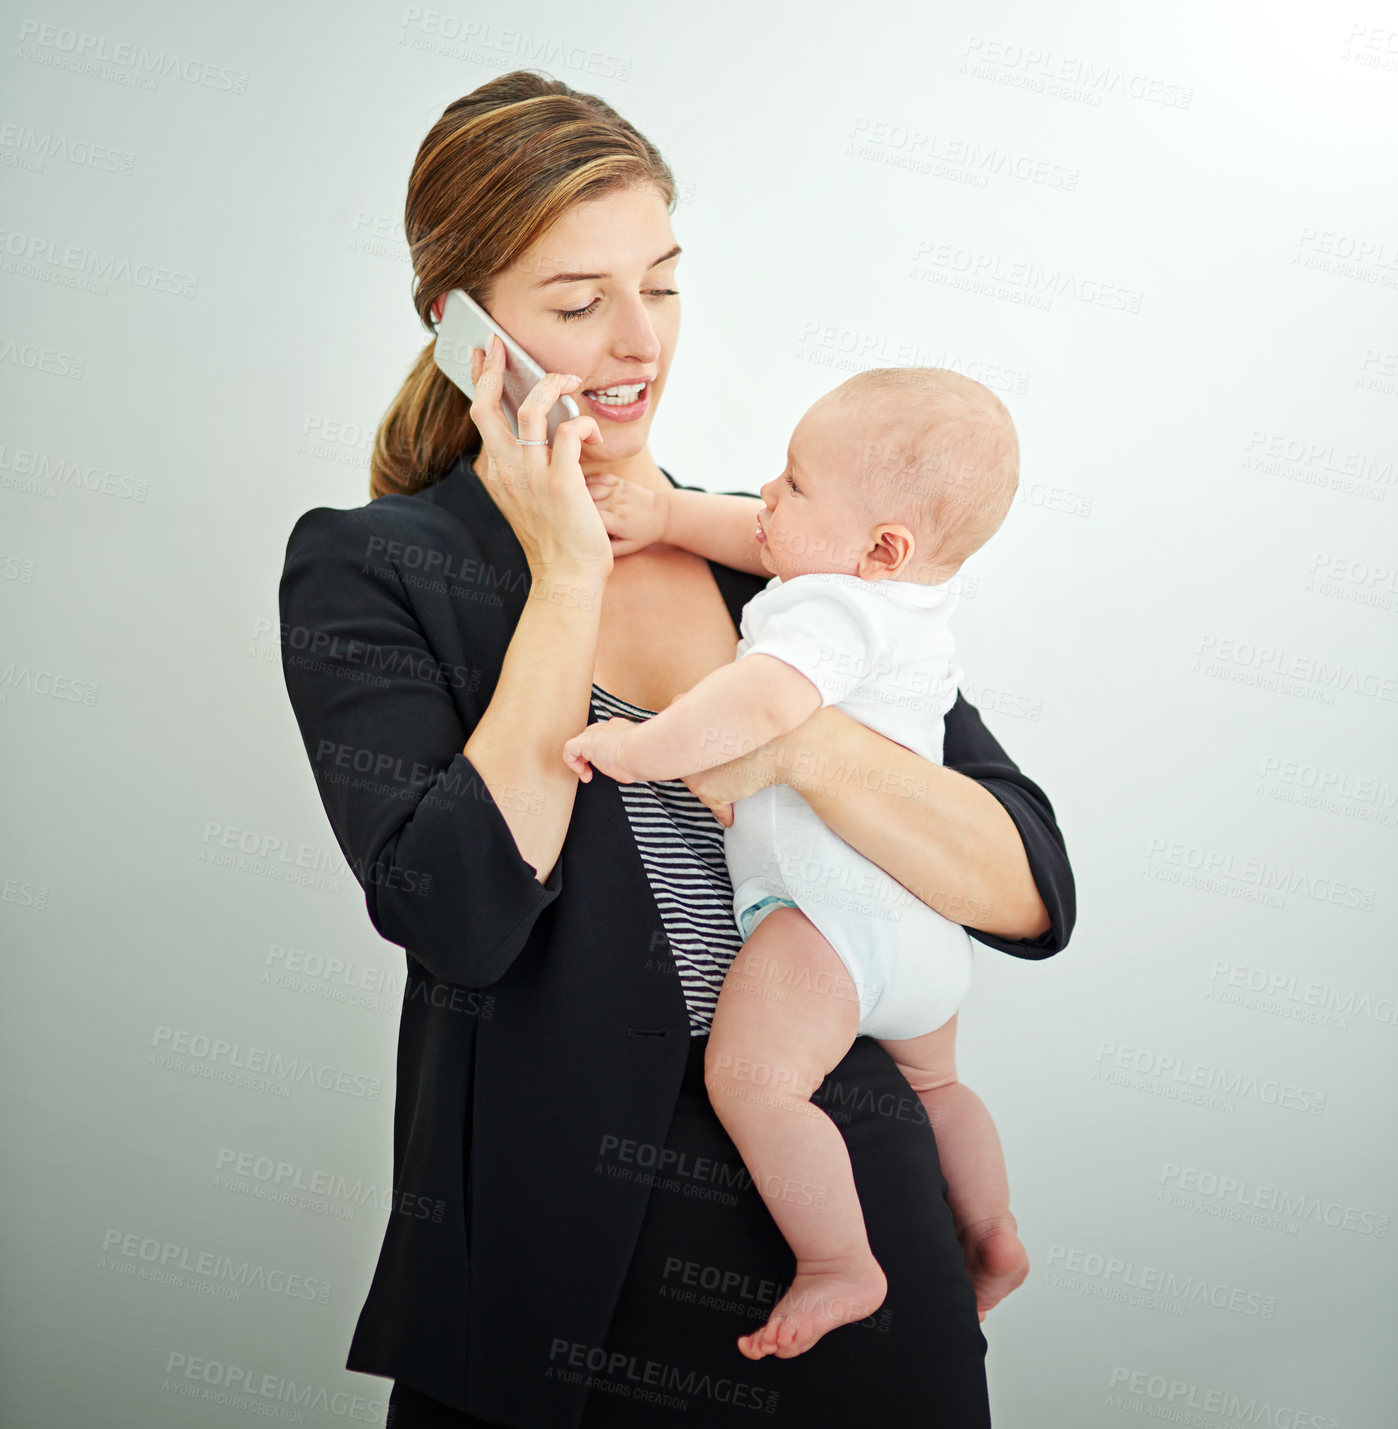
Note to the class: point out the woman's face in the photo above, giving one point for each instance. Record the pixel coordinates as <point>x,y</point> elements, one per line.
<point>596,296</point>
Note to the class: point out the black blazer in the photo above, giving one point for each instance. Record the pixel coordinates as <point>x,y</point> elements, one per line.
<point>527,1033</point>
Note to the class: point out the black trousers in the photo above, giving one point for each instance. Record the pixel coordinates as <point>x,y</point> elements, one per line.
<point>710,1264</point>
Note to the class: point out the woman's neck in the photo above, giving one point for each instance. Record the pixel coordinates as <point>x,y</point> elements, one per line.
<point>639,467</point>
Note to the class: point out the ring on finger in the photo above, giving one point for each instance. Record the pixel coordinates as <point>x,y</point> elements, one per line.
<point>521,442</point>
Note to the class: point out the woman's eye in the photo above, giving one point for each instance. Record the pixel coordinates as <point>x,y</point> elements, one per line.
<point>568,313</point>
<point>791,482</point>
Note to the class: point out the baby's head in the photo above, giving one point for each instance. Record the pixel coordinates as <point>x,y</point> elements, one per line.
<point>899,473</point>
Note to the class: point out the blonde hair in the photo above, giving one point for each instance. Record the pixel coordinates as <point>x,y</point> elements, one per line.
<point>494,173</point>
<point>945,462</point>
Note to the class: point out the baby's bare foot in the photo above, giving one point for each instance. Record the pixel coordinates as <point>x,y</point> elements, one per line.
<point>823,1296</point>
<point>996,1259</point>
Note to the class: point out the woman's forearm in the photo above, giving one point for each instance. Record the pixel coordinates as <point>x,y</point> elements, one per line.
<point>941,835</point>
<point>516,746</point>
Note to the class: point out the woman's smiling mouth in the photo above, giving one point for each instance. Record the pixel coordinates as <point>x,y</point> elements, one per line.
<point>622,402</point>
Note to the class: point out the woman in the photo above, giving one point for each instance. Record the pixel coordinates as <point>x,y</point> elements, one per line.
<point>574,1241</point>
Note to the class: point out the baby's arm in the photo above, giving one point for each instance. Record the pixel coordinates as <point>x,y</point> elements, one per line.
<point>718,527</point>
<point>729,713</point>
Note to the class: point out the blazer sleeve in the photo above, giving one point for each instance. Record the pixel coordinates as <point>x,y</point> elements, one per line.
<point>972,750</point>
<point>441,873</point>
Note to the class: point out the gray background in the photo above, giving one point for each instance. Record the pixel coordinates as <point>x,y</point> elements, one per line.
<point>1184,632</point>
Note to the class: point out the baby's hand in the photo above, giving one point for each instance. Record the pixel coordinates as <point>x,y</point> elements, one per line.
<point>602,744</point>
<point>634,516</point>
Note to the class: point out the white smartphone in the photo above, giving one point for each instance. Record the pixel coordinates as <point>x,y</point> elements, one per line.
<point>465,324</point>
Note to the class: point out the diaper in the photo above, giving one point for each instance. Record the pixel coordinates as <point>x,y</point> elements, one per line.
<point>910,967</point>
<point>748,917</point>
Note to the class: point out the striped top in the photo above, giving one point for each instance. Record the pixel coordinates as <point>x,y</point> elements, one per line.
<point>681,847</point>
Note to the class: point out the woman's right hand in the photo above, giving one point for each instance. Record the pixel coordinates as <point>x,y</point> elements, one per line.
<point>540,490</point>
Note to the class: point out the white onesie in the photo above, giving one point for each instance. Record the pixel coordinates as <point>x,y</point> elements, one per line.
<point>881,651</point>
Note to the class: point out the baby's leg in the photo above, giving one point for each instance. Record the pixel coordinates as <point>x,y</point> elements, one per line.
<point>977,1189</point>
<point>787,1015</point>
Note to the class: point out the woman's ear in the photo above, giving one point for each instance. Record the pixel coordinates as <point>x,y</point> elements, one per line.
<point>437,308</point>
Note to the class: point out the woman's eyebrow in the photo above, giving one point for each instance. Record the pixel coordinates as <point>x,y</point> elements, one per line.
<point>584,277</point>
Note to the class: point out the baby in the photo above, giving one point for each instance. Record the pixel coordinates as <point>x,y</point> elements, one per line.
<point>892,481</point>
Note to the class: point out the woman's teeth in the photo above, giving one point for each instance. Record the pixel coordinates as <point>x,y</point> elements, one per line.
<point>621,396</point>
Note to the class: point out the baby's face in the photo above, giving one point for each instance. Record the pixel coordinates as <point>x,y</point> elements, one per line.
<point>812,521</point>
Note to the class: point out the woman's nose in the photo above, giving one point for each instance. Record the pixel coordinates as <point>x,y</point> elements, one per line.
<point>634,335</point>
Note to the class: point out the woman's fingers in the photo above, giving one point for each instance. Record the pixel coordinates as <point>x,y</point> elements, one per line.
<point>486,411</point>
<point>532,481</point>
<point>534,410</point>
<point>569,436</point>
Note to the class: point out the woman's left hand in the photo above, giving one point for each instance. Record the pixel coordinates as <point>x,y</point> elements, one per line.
<point>722,786</point>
